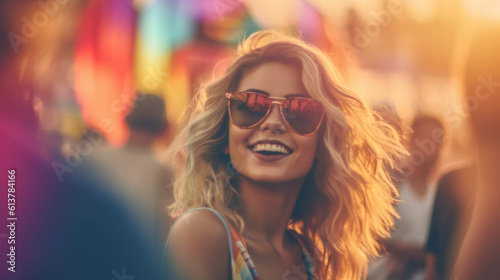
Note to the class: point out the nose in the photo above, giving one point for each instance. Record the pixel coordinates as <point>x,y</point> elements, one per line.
<point>274,122</point>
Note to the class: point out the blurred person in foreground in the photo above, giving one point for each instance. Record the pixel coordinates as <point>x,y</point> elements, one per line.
<point>450,219</point>
<point>406,257</point>
<point>479,257</point>
<point>69,229</point>
<point>134,173</point>
<point>283,171</point>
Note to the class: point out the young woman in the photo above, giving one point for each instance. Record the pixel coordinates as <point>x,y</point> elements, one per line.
<point>283,171</point>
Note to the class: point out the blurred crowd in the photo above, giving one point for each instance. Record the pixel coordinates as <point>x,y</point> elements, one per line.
<point>91,92</point>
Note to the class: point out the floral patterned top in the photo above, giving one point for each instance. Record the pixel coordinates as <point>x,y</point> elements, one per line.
<point>241,263</point>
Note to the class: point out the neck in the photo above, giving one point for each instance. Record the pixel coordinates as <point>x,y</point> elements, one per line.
<point>420,179</point>
<point>267,208</point>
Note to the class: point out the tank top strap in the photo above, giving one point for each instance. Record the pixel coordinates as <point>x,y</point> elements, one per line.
<point>307,261</point>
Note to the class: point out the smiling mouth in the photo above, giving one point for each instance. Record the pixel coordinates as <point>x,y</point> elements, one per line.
<point>270,149</point>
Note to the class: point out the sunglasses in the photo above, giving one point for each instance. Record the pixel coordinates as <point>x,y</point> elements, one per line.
<point>248,109</point>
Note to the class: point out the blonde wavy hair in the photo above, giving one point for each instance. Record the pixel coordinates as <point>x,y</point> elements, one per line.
<point>346,203</point>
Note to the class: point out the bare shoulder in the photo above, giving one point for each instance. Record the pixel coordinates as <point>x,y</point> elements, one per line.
<point>198,246</point>
<point>202,226</point>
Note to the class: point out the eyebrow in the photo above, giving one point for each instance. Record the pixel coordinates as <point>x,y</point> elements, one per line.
<point>288,95</point>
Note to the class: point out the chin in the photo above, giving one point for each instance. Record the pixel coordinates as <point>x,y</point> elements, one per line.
<point>269,177</point>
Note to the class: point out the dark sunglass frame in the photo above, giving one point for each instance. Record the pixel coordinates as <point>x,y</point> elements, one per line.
<point>274,100</point>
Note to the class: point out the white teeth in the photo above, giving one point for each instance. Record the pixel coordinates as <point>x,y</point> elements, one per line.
<point>271,148</point>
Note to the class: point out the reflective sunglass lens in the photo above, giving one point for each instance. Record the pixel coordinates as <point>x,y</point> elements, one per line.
<point>247,109</point>
<point>303,115</point>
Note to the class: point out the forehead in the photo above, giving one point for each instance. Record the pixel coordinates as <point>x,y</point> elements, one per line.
<point>276,78</point>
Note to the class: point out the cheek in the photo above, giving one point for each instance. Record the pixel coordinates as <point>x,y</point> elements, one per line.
<point>237,141</point>
<point>308,144</point>
<point>308,153</point>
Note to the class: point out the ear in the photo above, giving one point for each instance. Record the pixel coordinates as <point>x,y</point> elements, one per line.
<point>226,150</point>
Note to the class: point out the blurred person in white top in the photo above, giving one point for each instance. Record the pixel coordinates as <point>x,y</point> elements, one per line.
<point>405,257</point>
